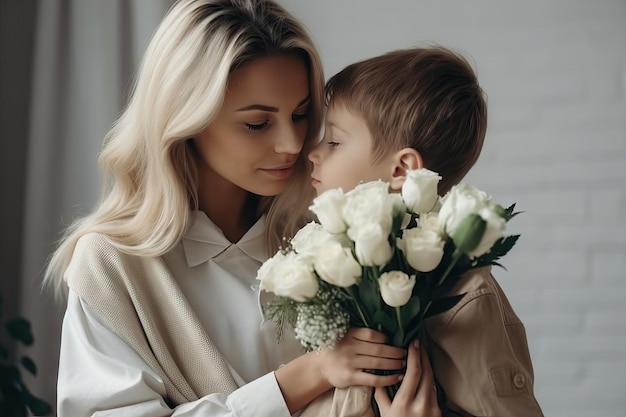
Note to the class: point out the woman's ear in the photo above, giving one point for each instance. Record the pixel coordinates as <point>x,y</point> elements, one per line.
<point>404,160</point>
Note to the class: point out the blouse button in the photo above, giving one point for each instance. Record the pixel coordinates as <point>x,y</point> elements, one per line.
<point>519,380</point>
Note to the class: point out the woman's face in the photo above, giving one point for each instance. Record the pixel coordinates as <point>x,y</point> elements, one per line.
<point>255,140</point>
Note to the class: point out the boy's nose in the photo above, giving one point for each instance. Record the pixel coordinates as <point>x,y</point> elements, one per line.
<point>315,154</point>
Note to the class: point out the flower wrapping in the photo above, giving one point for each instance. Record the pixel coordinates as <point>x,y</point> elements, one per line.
<point>382,260</point>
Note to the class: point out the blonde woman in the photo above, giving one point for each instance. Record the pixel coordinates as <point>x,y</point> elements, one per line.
<point>204,172</point>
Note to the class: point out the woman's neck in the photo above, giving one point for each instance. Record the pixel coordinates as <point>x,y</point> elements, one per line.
<point>234,211</point>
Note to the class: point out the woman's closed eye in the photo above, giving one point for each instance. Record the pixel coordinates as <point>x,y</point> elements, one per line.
<point>296,117</point>
<point>257,126</point>
<point>332,143</point>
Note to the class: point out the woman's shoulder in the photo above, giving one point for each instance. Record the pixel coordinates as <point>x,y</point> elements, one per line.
<point>97,258</point>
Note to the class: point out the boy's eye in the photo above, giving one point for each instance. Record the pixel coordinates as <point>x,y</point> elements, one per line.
<point>257,126</point>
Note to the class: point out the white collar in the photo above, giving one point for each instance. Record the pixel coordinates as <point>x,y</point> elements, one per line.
<point>203,240</point>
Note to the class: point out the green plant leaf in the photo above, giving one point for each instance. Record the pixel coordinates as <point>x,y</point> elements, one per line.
<point>443,304</point>
<point>410,310</point>
<point>11,404</point>
<point>510,212</point>
<point>19,329</point>
<point>388,322</point>
<point>368,294</point>
<point>281,311</point>
<point>36,405</point>
<point>498,250</point>
<point>29,364</point>
<point>9,376</point>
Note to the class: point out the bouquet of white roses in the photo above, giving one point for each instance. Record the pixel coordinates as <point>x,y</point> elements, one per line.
<point>382,260</point>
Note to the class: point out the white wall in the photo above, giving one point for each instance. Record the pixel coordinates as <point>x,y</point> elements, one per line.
<point>555,75</point>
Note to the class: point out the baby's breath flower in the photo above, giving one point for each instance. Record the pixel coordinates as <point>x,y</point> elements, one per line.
<point>322,322</point>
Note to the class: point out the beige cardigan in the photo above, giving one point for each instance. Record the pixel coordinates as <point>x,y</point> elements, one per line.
<point>478,350</point>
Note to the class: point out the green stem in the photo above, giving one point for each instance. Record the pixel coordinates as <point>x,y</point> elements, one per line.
<point>456,255</point>
<point>356,304</point>
<point>399,318</point>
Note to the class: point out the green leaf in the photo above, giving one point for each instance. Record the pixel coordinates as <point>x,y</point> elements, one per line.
<point>19,329</point>
<point>443,304</point>
<point>411,333</point>
<point>368,293</point>
<point>282,312</point>
<point>9,376</point>
<point>498,250</point>
<point>398,338</point>
<point>388,322</point>
<point>510,212</point>
<point>12,404</point>
<point>410,310</point>
<point>29,364</point>
<point>36,405</point>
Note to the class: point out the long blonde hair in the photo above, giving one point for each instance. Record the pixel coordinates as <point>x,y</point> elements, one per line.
<point>149,179</point>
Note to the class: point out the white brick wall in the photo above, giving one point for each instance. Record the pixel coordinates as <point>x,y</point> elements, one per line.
<point>555,74</point>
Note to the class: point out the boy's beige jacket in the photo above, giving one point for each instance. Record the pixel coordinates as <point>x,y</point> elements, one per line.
<point>478,348</point>
<point>479,355</point>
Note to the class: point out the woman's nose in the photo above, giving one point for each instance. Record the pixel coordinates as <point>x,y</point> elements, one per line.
<point>290,139</point>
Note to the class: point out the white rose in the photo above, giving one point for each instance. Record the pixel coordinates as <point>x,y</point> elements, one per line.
<point>419,190</point>
<point>370,203</point>
<point>396,288</point>
<point>461,201</point>
<point>464,201</point>
<point>429,221</point>
<point>287,275</point>
<point>423,249</point>
<point>328,207</point>
<point>265,272</point>
<point>371,244</point>
<point>336,265</point>
<point>308,240</point>
<point>494,230</point>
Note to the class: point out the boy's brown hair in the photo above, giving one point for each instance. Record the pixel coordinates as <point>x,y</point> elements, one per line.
<point>424,98</point>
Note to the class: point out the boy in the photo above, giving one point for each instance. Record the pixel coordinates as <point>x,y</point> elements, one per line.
<point>415,108</point>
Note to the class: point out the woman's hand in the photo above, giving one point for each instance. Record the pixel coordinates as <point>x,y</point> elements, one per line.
<point>348,363</point>
<point>417,395</point>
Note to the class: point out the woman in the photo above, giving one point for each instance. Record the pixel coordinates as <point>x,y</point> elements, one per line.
<point>206,172</point>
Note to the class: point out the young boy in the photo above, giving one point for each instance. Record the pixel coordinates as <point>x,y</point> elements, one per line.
<point>416,108</point>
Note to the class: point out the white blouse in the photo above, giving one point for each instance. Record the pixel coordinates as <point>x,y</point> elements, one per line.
<point>99,374</point>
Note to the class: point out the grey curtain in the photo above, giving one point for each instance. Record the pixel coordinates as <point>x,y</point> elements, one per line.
<point>66,71</point>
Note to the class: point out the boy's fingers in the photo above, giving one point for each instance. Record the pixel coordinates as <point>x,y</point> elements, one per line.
<point>413,373</point>
<point>427,382</point>
<point>382,398</point>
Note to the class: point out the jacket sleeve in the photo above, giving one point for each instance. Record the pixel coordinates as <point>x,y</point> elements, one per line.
<point>480,354</point>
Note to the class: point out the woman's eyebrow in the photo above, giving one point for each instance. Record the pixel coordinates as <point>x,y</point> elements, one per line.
<point>263,107</point>
<point>259,107</point>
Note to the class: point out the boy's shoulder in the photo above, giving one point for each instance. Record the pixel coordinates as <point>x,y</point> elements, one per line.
<point>483,301</point>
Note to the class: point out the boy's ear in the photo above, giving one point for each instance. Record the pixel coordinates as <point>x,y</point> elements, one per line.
<point>404,160</point>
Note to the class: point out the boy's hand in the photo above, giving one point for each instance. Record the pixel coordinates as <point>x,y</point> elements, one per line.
<point>361,350</point>
<point>417,395</point>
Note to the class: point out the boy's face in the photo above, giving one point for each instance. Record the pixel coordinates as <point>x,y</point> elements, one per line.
<point>343,158</point>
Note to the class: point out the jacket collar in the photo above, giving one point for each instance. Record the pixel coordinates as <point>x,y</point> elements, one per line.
<point>203,240</point>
